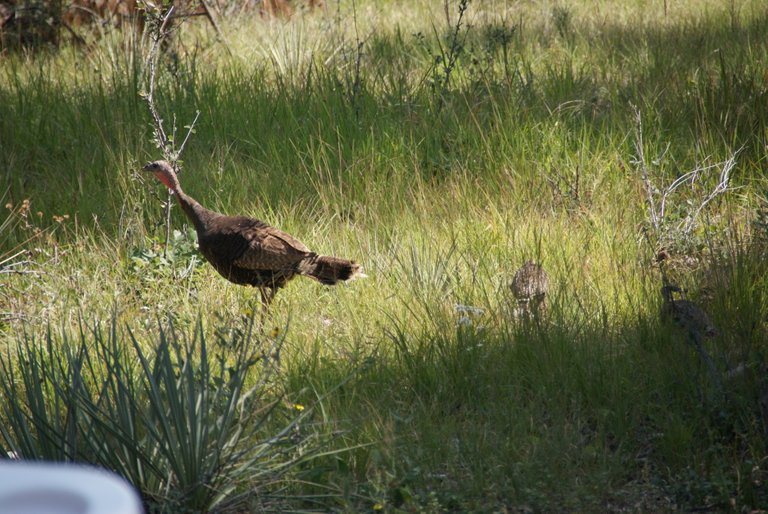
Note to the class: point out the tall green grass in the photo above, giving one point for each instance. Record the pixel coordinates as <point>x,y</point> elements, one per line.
<point>341,128</point>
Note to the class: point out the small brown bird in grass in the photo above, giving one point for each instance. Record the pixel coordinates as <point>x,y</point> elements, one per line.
<point>530,286</point>
<point>247,251</point>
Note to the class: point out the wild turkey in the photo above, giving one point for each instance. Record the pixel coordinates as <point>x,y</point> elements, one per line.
<point>686,314</point>
<point>695,322</point>
<point>247,251</point>
<point>530,286</point>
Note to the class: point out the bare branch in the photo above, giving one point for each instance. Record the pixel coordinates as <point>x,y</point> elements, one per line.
<point>157,37</point>
<point>641,162</point>
<point>190,131</point>
<point>722,186</point>
<point>219,33</point>
<point>659,197</point>
<point>167,145</point>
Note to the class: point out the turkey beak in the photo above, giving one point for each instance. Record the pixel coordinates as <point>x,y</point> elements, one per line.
<point>147,167</point>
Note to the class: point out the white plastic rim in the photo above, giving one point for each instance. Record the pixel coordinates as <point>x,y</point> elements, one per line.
<point>50,488</point>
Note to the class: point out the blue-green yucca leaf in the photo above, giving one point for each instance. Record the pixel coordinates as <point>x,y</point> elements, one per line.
<point>190,428</point>
<point>190,423</point>
<point>158,421</point>
<point>16,432</point>
<point>117,436</point>
<point>37,430</point>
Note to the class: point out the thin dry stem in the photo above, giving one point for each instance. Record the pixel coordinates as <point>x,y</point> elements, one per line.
<point>657,210</point>
<point>167,145</point>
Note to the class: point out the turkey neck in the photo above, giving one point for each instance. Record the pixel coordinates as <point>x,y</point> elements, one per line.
<point>197,214</point>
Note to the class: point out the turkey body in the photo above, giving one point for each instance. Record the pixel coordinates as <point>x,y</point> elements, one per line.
<point>530,283</point>
<point>686,314</point>
<point>247,251</point>
<point>530,286</point>
<point>695,322</point>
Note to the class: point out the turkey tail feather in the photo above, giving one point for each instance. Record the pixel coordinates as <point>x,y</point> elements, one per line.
<point>329,270</point>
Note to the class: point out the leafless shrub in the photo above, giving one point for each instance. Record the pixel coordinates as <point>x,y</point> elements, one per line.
<point>159,31</point>
<point>673,217</point>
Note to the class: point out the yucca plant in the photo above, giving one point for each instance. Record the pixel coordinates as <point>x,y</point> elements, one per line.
<point>192,425</point>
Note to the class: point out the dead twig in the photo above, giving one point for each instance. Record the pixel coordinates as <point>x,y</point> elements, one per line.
<point>158,35</point>
<point>207,13</point>
<point>166,144</point>
<point>640,161</point>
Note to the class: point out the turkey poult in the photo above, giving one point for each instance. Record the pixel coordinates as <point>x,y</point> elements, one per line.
<point>696,323</point>
<point>686,314</point>
<point>247,251</point>
<point>530,286</point>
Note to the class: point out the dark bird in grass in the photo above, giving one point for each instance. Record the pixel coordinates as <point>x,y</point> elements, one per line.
<point>247,251</point>
<point>695,322</point>
<point>686,314</point>
<point>530,286</point>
